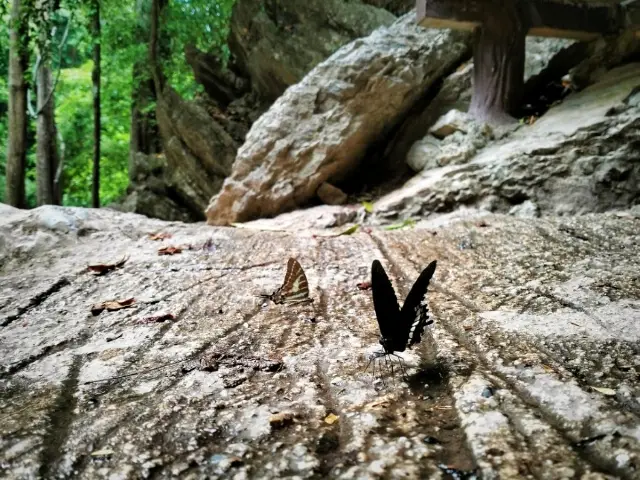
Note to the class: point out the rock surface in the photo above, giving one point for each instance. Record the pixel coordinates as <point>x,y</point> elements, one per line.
<point>582,156</point>
<point>530,370</point>
<point>319,130</point>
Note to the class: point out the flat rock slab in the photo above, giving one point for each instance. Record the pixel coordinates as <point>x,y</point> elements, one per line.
<point>530,370</point>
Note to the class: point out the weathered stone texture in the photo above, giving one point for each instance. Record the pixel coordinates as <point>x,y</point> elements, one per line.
<point>582,156</point>
<point>320,128</point>
<point>530,370</point>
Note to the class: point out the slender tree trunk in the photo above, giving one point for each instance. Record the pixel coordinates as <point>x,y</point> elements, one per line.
<point>498,63</point>
<point>145,137</point>
<point>154,45</point>
<point>95,77</point>
<point>47,147</point>
<point>17,115</point>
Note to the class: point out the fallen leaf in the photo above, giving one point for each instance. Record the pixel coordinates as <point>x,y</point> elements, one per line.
<point>364,285</point>
<point>331,419</point>
<point>102,453</point>
<point>467,327</point>
<point>397,226</point>
<point>547,368</point>
<point>102,268</point>
<point>158,318</point>
<point>169,250</point>
<point>378,404</point>
<point>279,420</point>
<point>159,236</point>
<point>368,206</point>
<point>350,230</point>
<point>604,390</point>
<point>112,305</point>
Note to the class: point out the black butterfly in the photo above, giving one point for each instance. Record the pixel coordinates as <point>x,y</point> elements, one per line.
<point>400,329</point>
<point>295,288</point>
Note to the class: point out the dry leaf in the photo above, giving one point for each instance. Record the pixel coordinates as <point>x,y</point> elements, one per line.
<point>378,403</point>
<point>604,390</point>
<point>331,419</point>
<point>169,250</point>
<point>364,285</point>
<point>102,453</point>
<point>158,318</point>
<point>467,327</point>
<point>547,368</point>
<point>159,236</point>
<point>112,305</point>
<point>279,420</point>
<point>102,268</point>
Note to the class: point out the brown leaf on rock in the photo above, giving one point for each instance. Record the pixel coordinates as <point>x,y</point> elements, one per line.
<point>158,318</point>
<point>280,420</point>
<point>159,236</point>
<point>112,305</point>
<point>102,268</point>
<point>364,285</point>
<point>169,250</point>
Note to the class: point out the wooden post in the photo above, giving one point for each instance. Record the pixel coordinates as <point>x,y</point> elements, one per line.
<point>500,28</point>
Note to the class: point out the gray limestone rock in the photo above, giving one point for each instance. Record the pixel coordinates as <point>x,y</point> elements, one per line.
<point>532,358</point>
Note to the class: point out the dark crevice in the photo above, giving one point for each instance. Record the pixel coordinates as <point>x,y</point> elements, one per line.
<point>60,421</point>
<point>35,301</point>
<point>383,165</point>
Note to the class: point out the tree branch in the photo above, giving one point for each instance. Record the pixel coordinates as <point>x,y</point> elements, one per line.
<point>55,82</point>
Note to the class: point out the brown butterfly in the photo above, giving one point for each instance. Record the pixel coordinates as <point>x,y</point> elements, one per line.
<point>295,288</point>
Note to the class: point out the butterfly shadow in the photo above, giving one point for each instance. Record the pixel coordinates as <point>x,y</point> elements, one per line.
<point>429,376</point>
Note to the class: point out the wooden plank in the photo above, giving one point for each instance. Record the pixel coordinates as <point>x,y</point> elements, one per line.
<point>546,18</point>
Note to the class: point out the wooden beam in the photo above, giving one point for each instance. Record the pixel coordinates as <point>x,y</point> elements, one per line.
<point>546,18</point>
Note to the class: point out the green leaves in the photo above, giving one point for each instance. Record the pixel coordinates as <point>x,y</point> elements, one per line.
<point>350,231</point>
<point>397,226</point>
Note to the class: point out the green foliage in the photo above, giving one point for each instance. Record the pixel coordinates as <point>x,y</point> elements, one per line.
<point>124,41</point>
<point>203,23</point>
<point>74,116</point>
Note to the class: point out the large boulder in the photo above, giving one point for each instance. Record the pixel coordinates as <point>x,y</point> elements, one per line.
<point>320,129</point>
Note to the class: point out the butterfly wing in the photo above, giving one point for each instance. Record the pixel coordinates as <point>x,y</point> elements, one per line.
<point>296,287</point>
<point>415,313</point>
<point>385,304</point>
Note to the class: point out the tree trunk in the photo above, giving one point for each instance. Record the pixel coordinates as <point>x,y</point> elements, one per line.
<point>47,147</point>
<point>17,115</point>
<point>145,137</point>
<point>95,78</point>
<point>154,45</point>
<point>498,63</point>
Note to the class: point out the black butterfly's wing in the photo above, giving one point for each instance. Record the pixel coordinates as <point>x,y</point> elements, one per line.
<point>414,313</point>
<point>296,287</point>
<point>385,304</point>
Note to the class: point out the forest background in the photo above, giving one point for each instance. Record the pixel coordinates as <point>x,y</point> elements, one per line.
<point>69,43</point>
